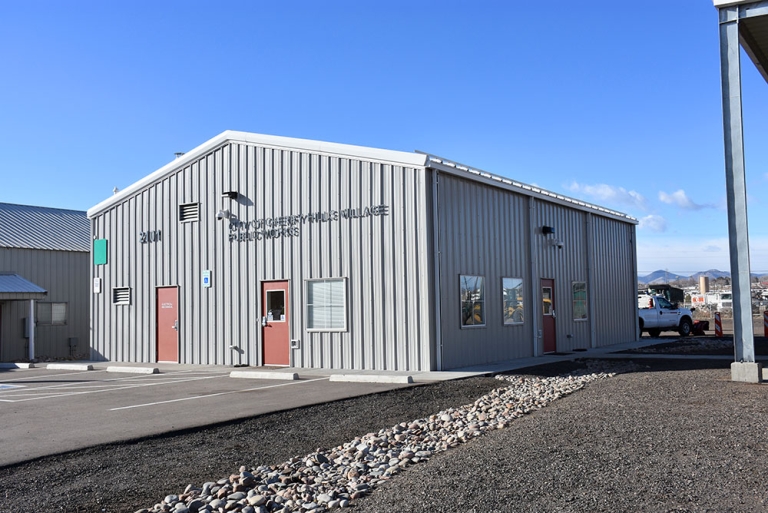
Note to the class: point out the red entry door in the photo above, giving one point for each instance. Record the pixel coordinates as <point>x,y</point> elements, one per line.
<point>167,324</point>
<point>275,335</point>
<point>548,315</point>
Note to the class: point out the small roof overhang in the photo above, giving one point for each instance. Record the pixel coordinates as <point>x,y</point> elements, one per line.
<point>15,288</point>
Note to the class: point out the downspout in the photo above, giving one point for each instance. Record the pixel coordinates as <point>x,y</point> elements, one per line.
<point>591,281</point>
<point>535,284</point>
<point>438,297</point>
<point>633,243</point>
<point>31,320</point>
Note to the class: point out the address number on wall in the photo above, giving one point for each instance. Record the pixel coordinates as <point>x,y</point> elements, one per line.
<point>151,236</point>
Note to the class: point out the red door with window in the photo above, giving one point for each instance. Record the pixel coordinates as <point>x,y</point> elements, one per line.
<point>167,324</point>
<point>548,315</point>
<point>275,332</point>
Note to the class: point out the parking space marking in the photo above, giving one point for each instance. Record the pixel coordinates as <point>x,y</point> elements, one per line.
<point>95,387</point>
<point>216,395</point>
<point>103,371</point>
<point>50,376</point>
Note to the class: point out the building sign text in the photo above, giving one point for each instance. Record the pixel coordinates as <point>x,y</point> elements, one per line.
<point>290,226</point>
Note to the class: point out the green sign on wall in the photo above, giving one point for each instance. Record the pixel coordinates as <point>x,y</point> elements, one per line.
<point>100,252</point>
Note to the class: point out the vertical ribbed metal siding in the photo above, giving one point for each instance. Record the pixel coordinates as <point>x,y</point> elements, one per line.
<point>64,274</point>
<point>565,266</point>
<point>482,232</point>
<point>495,233</point>
<point>383,258</point>
<point>615,281</point>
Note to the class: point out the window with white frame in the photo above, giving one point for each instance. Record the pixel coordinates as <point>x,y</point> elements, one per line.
<point>579,300</point>
<point>51,314</point>
<point>327,304</point>
<point>472,290</point>
<point>512,298</point>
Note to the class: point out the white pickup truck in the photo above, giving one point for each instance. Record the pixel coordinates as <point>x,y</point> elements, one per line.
<point>657,315</point>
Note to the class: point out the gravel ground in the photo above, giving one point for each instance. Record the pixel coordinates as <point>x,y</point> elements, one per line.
<point>673,436</point>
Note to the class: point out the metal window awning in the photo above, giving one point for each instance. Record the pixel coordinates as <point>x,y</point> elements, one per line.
<point>16,288</point>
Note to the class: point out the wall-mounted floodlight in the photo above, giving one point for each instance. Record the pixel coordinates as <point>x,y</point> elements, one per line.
<point>546,230</point>
<point>229,194</point>
<point>223,214</point>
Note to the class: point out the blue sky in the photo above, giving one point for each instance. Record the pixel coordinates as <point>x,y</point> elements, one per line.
<point>617,103</point>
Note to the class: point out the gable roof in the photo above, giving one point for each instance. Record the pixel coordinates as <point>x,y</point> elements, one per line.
<point>28,227</point>
<point>416,159</point>
<point>271,141</point>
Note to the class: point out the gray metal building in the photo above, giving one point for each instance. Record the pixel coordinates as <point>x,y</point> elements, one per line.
<point>44,269</point>
<point>264,250</point>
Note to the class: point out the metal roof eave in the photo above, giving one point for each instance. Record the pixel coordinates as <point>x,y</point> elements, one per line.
<point>754,15</point>
<point>289,143</point>
<point>14,287</point>
<point>22,296</point>
<point>525,189</point>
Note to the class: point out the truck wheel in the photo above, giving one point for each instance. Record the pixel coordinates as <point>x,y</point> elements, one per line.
<point>654,332</point>
<point>685,328</point>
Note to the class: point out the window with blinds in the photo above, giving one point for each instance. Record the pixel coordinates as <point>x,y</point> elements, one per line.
<point>51,314</point>
<point>327,305</point>
<point>121,296</point>
<point>189,212</point>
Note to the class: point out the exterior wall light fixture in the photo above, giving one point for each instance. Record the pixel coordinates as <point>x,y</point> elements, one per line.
<point>557,243</point>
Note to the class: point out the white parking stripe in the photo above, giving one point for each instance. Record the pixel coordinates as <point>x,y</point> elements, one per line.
<point>217,394</point>
<point>104,383</point>
<point>37,376</point>
<point>125,387</point>
<point>96,371</point>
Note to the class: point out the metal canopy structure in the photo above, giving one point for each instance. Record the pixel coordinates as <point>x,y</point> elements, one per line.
<point>16,288</point>
<point>745,24</point>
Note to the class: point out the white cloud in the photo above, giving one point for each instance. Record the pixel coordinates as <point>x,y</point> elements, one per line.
<point>653,223</point>
<point>609,194</point>
<point>681,199</point>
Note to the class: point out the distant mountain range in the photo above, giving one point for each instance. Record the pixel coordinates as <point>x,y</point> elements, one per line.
<point>661,276</point>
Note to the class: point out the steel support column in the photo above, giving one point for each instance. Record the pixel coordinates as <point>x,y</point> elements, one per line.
<point>735,181</point>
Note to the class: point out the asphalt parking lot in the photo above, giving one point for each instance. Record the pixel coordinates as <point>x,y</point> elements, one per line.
<point>47,411</point>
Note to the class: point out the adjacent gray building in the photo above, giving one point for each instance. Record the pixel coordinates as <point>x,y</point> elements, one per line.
<point>44,268</point>
<point>264,250</point>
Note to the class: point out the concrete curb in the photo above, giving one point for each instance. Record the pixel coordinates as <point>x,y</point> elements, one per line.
<point>17,365</point>
<point>288,376</point>
<point>70,366</point>
<point>370,378</point>
<point>134,370</point>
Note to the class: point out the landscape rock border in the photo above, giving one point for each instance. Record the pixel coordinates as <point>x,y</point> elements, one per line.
<point>328,479</point>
